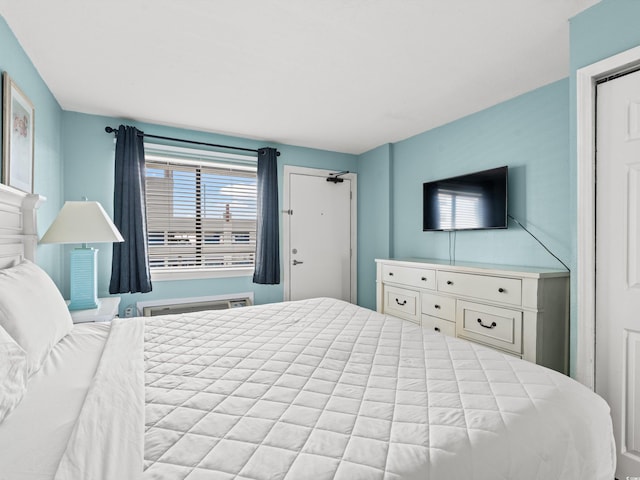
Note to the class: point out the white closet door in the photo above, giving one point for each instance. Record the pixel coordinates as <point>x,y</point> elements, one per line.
<point>618,263</point>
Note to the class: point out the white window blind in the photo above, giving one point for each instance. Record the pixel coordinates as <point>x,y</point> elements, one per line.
<point>200,215</point>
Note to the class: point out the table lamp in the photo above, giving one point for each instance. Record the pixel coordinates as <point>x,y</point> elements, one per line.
<point>83,222</point>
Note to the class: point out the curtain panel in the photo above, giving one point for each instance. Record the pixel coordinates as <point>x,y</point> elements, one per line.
<point>267,262</point>
<point>130,265</point>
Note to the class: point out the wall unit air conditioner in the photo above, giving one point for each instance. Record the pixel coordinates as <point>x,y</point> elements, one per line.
<point>193,304</point>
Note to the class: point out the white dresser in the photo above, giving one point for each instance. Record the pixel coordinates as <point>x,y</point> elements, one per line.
<point>523,311</point>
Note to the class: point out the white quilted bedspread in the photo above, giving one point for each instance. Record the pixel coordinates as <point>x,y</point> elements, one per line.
<point>323,389</point>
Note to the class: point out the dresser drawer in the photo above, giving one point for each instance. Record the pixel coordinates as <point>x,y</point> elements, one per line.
<point>439,325</point>
<point>413,277</point>
<point>439,306</point>
<point>499,327</point>
<point>402,303</point>
<point>494,289</point>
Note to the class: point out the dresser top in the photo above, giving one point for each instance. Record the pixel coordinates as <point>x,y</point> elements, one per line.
<point>473,267</point>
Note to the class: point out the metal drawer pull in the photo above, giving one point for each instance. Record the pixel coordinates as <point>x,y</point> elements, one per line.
<point>493,324</point>
<point>401,304</point>
<point>391,274</point>
<point>424,279</point>
<point>437,329</point>
<point>501,290</point>
<point>436,306</point>
<point>449,282</point>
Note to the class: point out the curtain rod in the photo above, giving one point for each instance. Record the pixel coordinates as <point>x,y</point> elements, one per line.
<point>113,130</point>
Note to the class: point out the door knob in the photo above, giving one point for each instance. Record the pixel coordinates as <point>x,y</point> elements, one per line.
<point>296,262</point>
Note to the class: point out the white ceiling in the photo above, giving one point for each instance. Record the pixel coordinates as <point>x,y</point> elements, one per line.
<point>342,75</point>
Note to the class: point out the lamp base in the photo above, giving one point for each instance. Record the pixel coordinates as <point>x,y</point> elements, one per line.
<point>83,273</point>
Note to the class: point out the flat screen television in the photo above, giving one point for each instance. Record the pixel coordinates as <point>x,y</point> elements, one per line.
<point>475,201</point>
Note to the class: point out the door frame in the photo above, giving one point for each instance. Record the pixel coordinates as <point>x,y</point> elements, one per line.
<point>586,79</point>
<point>286,247</point>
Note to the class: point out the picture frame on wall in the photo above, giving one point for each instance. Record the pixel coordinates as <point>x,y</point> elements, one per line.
<point>18,117</point>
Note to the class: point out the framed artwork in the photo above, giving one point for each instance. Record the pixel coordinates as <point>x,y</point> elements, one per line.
<point>18,117</point>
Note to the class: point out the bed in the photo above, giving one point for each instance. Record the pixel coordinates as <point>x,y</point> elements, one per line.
<point>317,389</point>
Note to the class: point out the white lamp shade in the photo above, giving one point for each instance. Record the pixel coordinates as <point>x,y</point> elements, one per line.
<point>82,222</point>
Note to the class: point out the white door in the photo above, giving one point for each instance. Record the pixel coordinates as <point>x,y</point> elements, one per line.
<point>319,229</point>
<point>618,263</point>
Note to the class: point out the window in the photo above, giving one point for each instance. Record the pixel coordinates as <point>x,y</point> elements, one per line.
<point>201,214</point>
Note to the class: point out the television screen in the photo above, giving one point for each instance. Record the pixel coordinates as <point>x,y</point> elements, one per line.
<point>468,202</point>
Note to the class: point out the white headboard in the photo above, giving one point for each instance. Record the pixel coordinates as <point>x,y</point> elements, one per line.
<point>18,227</point>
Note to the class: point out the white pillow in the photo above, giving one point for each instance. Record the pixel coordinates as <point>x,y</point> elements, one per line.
<point>32,311</point>
<point>13,373</point>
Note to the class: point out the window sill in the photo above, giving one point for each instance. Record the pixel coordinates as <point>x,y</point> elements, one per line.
<point>197,274</point>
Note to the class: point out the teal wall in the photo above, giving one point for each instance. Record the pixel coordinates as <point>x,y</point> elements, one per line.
<point>530,135</point>
<point>89,161</point>
<point>374,218</point>
<point>607,28</point>
<point>48,158</point>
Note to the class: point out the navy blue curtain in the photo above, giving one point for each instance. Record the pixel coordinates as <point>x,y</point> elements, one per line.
<point>130,264</point>
<point>267,269</point>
